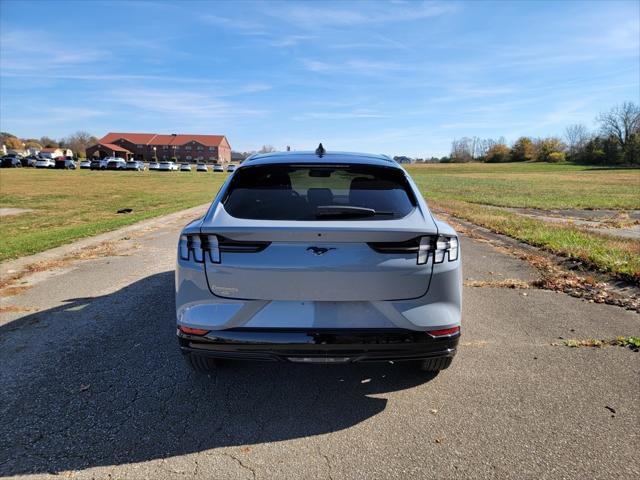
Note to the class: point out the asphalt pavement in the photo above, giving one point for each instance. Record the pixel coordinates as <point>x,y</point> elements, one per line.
<point>92,385</point>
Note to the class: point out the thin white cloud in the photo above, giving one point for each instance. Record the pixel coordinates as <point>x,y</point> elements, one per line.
<point>337,115</point>
<point>311,16</point>
<point>180,104</point>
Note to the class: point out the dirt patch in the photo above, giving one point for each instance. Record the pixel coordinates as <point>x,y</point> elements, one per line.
<point>505,283</point>
<point>6,211</point>
<point>105,249</point>
<point>14,309</point>
<point>632,343</point>
<point>615,223</point>
<point>555,273</point>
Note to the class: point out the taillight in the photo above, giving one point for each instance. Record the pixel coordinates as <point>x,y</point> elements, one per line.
<point>195,247</point>
<point>446,246</point>
<point>442,247</point>
<point>192,331</point>
<point>445,332</point>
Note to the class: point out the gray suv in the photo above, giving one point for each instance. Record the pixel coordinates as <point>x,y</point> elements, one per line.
<point>318,258</point>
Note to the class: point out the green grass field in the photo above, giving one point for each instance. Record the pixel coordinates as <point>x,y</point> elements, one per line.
<point>467,190</point>
<point>73,204</point>
<point>68,205</point>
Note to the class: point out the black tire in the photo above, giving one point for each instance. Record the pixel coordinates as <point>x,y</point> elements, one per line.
<point>200,363</point>
<point>435,364</point>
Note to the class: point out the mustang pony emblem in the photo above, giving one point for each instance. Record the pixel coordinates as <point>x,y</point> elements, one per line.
<point>319,250</point>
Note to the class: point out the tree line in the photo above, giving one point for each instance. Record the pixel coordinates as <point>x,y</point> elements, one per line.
<point>616,141</point>
<point>77,142</point>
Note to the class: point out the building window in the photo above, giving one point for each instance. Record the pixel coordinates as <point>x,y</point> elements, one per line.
<point>140,146</point>
<point>199,147</point>
<point>213,159</point>
<point>188,147</point>
<point>188,157</point>
<point>212,149</point>
<point>165,147</point>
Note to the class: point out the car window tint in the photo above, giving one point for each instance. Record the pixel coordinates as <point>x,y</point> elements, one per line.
<point>296,192</point>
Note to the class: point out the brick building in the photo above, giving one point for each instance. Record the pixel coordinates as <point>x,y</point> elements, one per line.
<point>144,146</point>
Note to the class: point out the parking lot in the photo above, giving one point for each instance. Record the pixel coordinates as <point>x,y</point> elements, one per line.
<point>93,386</point>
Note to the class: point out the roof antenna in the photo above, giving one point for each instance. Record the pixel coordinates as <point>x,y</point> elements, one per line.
<point>320,151</point>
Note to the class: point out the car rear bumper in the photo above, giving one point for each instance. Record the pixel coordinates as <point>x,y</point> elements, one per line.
<point>319,346</point>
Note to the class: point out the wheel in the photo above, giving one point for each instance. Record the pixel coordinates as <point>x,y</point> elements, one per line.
<point>435,364</point>
<point>200,363</point>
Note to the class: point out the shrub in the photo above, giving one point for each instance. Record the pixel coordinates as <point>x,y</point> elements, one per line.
<point>498,153</point>
<point>556,157</point>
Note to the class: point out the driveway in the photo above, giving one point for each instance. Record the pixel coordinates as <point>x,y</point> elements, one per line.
<point>92,385</point>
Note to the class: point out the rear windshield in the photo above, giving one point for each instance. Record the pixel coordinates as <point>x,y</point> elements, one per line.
<point>319,192</point>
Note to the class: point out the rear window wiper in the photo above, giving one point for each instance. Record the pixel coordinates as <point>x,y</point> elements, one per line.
<point>324,211</point>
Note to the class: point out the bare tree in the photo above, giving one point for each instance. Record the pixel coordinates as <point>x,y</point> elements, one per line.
<point>79,141</point>
<point>620,122</point>
<point>267,149</point>
<point>577,136</point>
<point>462,150</point>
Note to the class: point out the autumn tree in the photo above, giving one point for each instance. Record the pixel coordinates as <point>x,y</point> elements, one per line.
<point>11,141</point>
<point>498,153</point>
<point>550,149</point>
<point>523,150</point>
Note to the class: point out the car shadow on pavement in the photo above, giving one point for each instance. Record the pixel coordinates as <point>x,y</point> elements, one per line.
<point>100,381</point>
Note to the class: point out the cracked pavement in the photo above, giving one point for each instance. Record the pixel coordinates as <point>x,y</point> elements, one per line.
<point>92,385</point>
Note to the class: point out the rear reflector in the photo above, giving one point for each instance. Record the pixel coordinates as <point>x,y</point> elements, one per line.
<point>193,331</point>
<point>444,332</point>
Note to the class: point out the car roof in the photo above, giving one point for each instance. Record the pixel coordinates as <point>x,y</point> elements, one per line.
<point>327,157</point>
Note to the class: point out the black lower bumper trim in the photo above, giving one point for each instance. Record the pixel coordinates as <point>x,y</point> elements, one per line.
<point>324,346</point>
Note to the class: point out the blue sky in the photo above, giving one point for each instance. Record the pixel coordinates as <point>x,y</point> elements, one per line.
<point>390,77</point>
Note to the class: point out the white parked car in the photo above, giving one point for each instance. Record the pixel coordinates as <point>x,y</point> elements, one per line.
<point>45,163</point>
<point>319,258</point>
<point>185,167</point>
<point>154,166</point>
<point>117,164</point>
<point>136,165</point>
<point>231,168</point>
<point>168,166</point>
<point>218,168</point>
<point>202,167</point>
<point>85,164</point>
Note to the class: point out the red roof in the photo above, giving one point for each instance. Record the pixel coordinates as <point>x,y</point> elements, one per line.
<point>50,149</point>
<point>160,139</point>
<point>114,147</point>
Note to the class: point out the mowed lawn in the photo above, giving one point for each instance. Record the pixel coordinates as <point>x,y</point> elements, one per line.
<point>72,204</point>
<point>68,205</point>
<point>471,191</point>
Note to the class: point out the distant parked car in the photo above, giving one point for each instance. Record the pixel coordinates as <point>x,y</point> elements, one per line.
<point>202,167</point>
<point>116,164</point>
<point>231,167</point>
<point>135,165</point>
<point>218,168</point>
<point>10,162</point>
<point>154,166</point>
<point>185,167</point>
<point>101,164</point>
<point>85,164</point>
<point>29,161</point>
<point>65,162</point>
<point>45,163</point>
<point>168,166</point>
